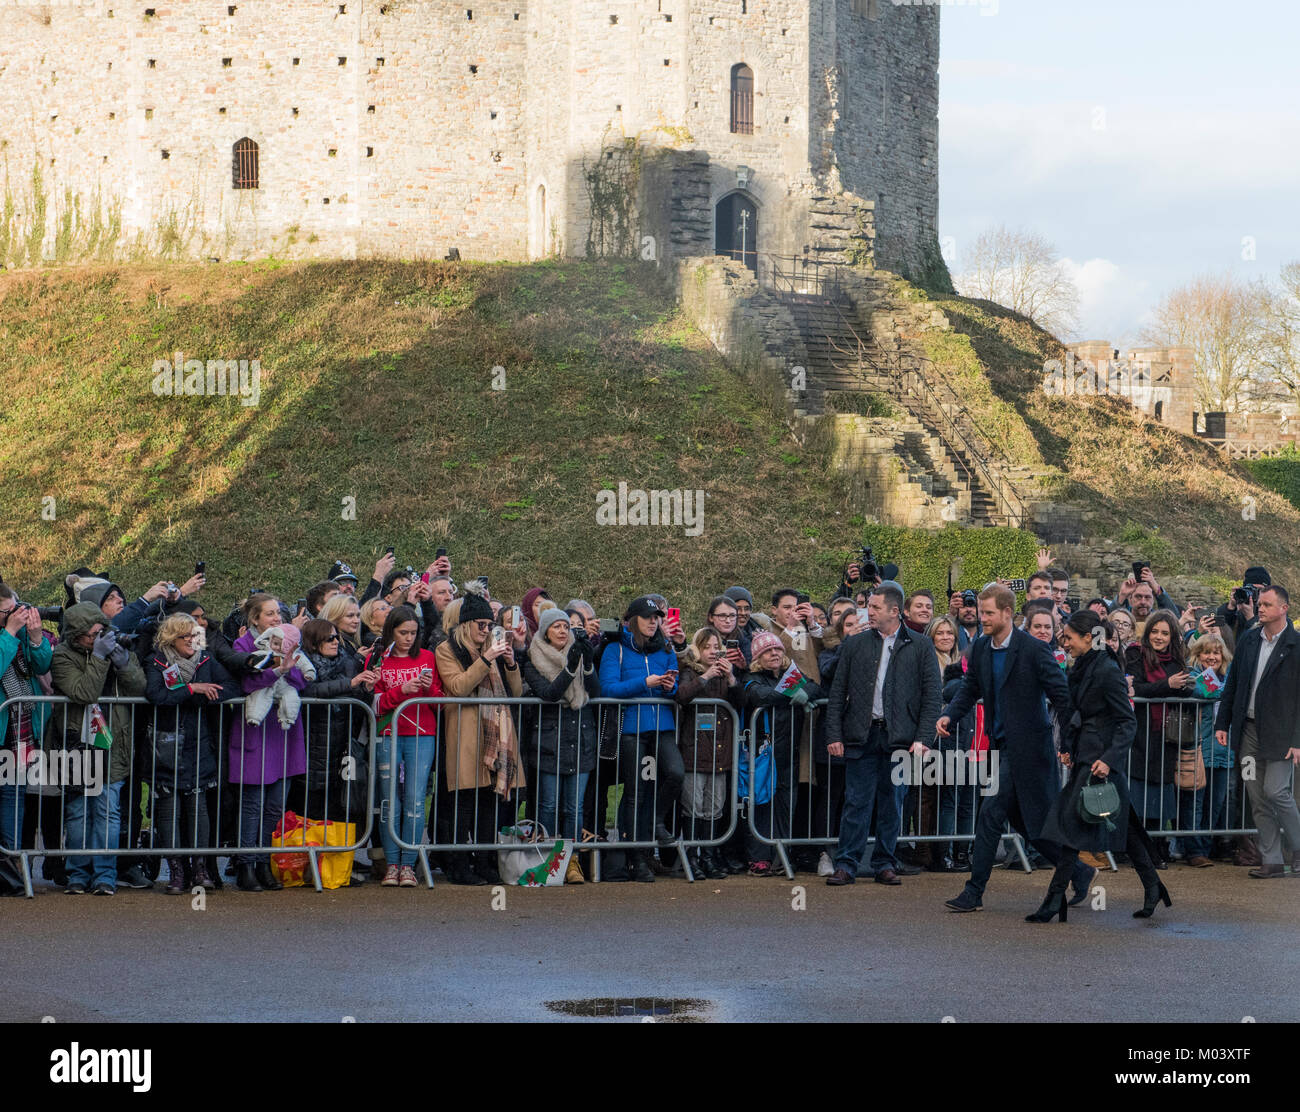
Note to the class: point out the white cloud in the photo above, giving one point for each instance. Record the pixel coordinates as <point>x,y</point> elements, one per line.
<point>1108,295</point>
<point>1139,148</point>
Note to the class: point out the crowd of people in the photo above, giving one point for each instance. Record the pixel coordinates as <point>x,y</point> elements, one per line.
<point>213,727</point>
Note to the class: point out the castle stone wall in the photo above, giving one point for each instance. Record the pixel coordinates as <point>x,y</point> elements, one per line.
<point>408,127</point>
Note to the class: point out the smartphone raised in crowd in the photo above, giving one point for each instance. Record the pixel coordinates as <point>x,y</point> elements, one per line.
<point>673,614</point>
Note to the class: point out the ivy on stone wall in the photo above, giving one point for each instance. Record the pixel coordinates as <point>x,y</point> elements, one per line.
<point>924,557</point>
<point>613,182</point>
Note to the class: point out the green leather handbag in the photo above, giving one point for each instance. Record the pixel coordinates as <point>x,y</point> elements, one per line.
<point>1097,802</point>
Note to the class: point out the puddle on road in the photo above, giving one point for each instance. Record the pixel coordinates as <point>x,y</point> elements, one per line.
<point>662,1009</point>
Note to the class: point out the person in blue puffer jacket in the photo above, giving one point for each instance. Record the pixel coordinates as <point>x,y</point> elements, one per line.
<point>642,665</point>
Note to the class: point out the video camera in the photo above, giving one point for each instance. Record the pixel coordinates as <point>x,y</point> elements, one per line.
<point>867,569</point>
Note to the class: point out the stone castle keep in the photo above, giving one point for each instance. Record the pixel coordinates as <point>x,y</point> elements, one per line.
<point>503,129</point>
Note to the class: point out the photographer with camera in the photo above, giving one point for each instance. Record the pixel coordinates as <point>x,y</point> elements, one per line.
<point>87,665</point>
<point>84,586</point>
<point>866,571</point>
<point>746,626</point>
<point>966,616</point>
<point>25,653</point>
<point>1237,615</point>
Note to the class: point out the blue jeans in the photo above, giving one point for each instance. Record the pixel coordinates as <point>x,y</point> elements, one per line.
<point>93,822</point>
<point>571,788</point>
<point>261,806</point>
<point>1203,810</point>
<point>868,787</point>
<point>417,754</point>
<point>11,815</point>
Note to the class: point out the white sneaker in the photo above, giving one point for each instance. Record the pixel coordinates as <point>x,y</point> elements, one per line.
<point>824,866</point>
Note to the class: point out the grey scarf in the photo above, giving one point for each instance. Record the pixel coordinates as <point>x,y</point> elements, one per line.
<point>550,661</point>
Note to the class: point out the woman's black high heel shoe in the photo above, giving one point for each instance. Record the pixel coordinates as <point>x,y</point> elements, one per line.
<point>1153,896</point>
<point>1052,906</point>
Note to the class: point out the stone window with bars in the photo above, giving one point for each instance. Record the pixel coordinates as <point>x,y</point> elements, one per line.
<point>244,165</point>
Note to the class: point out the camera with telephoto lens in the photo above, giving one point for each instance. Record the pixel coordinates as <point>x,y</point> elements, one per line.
<point>969,598</point>
<point>1245,594</point>
<point>127,640</point>
<point>50,613</point>
<point>867,568</point>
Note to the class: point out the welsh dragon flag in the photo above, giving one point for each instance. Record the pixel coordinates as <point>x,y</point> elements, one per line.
<point>1059,654</point>
<point>1208,684</point>
<point>791,682</point>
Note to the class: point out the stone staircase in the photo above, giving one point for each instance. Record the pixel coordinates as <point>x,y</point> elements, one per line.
<point>844,357</point>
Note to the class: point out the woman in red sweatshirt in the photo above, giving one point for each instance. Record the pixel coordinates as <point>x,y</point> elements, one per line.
<point>408,741</point>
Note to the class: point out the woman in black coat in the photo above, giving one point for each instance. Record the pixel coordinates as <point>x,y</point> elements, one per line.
<point>561,744</point>
<point>183,684</point>
<point>338,770</point>
<point>1095,744</point>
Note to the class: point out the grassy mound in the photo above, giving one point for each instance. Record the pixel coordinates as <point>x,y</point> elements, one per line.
<point>377,386</point>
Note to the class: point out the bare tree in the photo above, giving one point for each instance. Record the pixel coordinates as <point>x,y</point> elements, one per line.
<point>1021,270</point>
<point>1222,320</point>
<point>1281,340</point>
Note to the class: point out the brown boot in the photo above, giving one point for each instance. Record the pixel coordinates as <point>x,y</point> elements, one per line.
<point>1246,854</point>
<point>175,877</point>
<point>573,875</point>
<point>201,877</point>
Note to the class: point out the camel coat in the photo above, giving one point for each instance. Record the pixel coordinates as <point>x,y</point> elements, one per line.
<point>463,761</point>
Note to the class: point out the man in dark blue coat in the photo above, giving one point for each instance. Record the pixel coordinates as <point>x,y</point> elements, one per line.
<point>1016,675</point>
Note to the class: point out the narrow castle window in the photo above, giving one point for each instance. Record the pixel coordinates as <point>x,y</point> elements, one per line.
<point>742,99</point>
<point>244,165</point>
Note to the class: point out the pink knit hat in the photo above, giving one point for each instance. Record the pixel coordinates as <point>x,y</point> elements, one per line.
<point>290,638</point>
<point>762,642</point>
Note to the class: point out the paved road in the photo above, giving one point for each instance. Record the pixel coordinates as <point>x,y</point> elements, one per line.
<point>1226,949</point>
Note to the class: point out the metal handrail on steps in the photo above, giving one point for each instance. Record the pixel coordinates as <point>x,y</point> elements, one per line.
<point>969,452</point>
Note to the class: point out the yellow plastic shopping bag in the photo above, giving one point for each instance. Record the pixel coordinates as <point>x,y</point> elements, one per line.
<point>293,870</point>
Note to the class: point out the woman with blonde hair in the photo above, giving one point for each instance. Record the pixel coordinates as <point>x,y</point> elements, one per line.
<point>344,613</point>
<point>183,682</point>
<point>374,612</point>
<point>956,803</point>
<point>1208,661</point>
<point>939,631</point>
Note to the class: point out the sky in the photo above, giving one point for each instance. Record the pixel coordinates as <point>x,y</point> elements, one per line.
<point>1149,141</point>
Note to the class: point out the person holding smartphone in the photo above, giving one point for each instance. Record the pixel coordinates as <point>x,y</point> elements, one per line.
<point>481,741</point>
<point>25,653</point>
<point>642,665</point>
<point>723,617</point>
<point>407,742</point>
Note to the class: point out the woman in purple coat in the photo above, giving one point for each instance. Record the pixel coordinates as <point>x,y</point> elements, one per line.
<point>263,757</point>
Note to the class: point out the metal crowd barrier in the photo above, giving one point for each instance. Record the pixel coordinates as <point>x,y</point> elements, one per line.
<point>156,740</point>
<point>941,809</point>
<point>1167,728</point>
<point>465,820</point>
<point>620,799</point>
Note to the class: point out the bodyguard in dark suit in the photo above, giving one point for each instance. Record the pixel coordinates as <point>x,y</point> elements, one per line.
<point>1013,673</point>
<point>1259,713</point>
<point>883,700</point>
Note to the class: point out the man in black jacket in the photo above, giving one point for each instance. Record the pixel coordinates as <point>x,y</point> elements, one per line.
<point>1013,673</point>
<point>1260,713</point>
<point>883,703</point>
